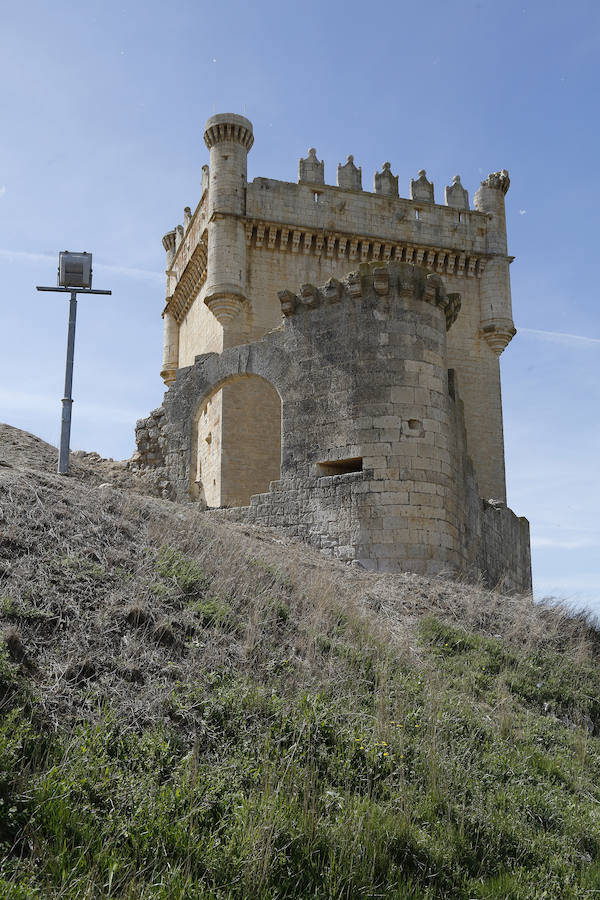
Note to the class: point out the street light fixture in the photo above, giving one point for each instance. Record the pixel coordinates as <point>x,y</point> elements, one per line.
<point>74,277</point>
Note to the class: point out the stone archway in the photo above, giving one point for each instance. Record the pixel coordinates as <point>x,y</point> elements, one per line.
<point>236,442</point>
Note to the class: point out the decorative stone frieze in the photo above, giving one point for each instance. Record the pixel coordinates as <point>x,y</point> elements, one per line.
<point>406,280</point>
<point>189,284</point>
<point>338,246</point>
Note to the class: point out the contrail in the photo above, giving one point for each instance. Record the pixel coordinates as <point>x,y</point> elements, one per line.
<point>559,336</point>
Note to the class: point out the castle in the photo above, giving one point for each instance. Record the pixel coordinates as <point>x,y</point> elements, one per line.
<point>332,363</point>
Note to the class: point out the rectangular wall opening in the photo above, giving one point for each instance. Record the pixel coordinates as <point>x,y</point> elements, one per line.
<point>340,466</point>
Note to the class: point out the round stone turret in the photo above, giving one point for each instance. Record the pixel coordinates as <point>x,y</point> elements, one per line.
<point>229,137</point>
<point>228,127</point>
<point>496,306</point>
<point>168,242</point>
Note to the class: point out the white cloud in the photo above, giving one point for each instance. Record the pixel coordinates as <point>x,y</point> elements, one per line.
<point>560,337</point>
<point>2,190</point>
<point>572,543</point>
<point>23,256</point>
<point>522,212</point>
<point>130,272</point>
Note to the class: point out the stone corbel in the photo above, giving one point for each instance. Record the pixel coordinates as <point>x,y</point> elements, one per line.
<point>288,301</point>
<point>332,291</point>
<point>354,285</point>
<point>381,281</point>
<point>309,296</point>
<point>498,334</point>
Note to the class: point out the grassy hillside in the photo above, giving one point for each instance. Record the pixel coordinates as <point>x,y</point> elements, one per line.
<point>194,709</point>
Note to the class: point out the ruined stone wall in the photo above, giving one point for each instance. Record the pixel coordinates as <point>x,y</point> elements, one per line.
<point>150,440</point>
<point>374,462</point>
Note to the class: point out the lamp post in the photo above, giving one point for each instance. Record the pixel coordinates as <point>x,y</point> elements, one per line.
<point>74,277</point>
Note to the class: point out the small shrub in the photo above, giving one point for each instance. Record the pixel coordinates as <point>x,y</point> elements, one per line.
<point>8,607</point>
<point>212,611</point>
<point>278,610</point>
<point>184,571</point>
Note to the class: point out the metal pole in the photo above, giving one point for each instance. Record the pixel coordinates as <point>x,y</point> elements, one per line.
<point>67,401</point>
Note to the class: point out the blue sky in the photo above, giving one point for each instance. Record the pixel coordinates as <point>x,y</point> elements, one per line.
<point>103,106</point>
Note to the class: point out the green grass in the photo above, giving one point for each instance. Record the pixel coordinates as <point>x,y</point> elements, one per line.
<point>403,782</point>
<point>184,571</point>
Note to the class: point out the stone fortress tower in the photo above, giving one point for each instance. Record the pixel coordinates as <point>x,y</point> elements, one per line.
<point>312,381</point>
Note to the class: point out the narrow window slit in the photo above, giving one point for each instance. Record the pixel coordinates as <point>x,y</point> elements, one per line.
<point>340,466</point>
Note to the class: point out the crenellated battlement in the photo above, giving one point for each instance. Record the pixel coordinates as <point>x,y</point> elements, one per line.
<point>325,219</point>
<point>396,280</point>
<point>228,127</point>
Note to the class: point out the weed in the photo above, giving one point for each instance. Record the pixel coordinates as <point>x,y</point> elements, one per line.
<point>184,571</point>
<point>212,611</point>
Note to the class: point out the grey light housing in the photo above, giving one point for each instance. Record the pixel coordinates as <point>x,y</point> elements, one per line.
<point>74,269</point>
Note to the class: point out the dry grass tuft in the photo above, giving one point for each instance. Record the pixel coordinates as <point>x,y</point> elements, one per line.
<point>15,646</point>
<point>164,635</point>
<point>138,615</point>
<point>79,671</point>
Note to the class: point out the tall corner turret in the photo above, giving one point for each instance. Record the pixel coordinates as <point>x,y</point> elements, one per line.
<point>171,331</point>
<point>497,324</point>
<point>229,138</point>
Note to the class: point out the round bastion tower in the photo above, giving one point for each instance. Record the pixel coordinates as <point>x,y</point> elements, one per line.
<point>229,137</point>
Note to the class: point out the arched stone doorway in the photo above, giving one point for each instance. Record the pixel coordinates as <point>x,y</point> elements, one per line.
<point>236,442</point>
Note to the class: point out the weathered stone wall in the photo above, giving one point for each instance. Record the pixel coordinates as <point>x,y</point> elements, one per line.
<point>150,439</point>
